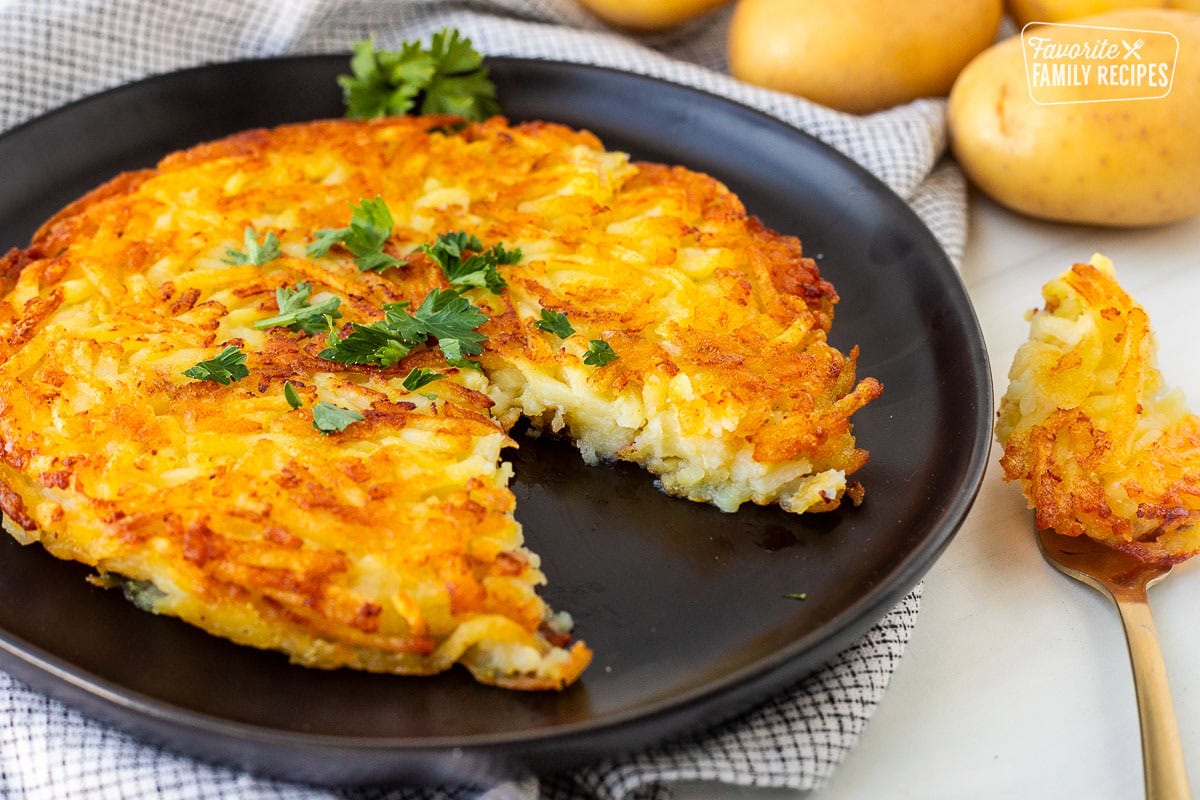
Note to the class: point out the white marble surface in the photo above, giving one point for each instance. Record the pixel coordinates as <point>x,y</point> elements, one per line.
<point>1017,683</point>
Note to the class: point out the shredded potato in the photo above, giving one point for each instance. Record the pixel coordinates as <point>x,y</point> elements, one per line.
<point>1100,446</point>
<point>390,544</point>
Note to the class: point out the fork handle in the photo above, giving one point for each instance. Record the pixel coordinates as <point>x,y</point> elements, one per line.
<point>1162,753</point>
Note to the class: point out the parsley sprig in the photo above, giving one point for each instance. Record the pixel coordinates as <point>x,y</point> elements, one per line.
<point>444,315</point>
<point>227,366</point>
<point>369,229</point>
<point>447,78</point>
<point>298,314</point>
<point>464,271</point>
<point>256,253</point>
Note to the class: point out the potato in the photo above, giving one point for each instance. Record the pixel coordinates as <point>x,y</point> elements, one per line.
<point>859,55</point>
<point>1024,11</point>
<point>1125,162</point>
<point>649,15</point>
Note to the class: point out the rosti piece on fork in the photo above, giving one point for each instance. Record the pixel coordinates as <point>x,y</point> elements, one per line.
<point>388,542</point>
<point>1100,446</point>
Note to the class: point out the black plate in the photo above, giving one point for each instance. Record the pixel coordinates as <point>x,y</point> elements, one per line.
<point>682,604</point>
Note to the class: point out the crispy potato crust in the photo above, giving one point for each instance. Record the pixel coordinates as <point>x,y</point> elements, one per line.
<point>1101,448</point>
<point>391,546</point>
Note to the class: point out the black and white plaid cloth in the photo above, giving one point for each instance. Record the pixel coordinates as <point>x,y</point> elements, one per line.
<point>53,51</point>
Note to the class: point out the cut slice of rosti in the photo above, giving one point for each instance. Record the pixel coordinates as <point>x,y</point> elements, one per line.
<point>391,545</point>
<point>1100,446</point>
<point>724,385</point>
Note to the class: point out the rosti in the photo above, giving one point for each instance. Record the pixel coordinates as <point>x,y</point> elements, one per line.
<point>1100,445</point>
<point>386,540</point>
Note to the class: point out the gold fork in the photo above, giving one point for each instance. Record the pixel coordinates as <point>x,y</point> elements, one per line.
<point>1124,580</point>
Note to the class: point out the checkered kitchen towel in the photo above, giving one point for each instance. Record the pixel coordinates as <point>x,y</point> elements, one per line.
<point>53,51</point>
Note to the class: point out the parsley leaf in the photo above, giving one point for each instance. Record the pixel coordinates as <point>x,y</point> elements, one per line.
<point>291,395</point>
<point>370,228</point>
<point>455,56</point>
<point>599,353</point>
<point>451,319</point>
<point>385,81</point>
<point>465,363</point>
<point>477,270</point>
<point>328,418</point>
<point>228,366</point>
<point>420,377</point>
<point>447,78</point>
<point>256,253</point>
<point>460,85</point>
<point>401,323</point>
<point>297,313</point>
<point>378,262</point>
<point>326,238</point>
<point>554,322</point>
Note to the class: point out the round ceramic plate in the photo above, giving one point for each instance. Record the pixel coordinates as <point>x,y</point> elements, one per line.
<point>683,605</point>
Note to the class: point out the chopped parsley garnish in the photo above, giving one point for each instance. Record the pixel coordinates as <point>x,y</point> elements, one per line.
<point>291,395</point>
<point>444,315</point>
<point>298,314</point>
<point>797,596</point>
<point>478,270</point>
<point>257,253</point>
<point>420,377</point>
<point>554,322</point>
<point>599,353</point>
<point>370,226</point>
<point>328,418</point>
<point>228,366</point>
<point>447,78</point>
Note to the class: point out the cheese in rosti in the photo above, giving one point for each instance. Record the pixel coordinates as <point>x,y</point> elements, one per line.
<point>201,399</point>
<point>1100,445</point>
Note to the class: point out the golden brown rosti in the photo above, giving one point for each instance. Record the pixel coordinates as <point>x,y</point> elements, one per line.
<point>699,351</point>
<point>1100,446</point>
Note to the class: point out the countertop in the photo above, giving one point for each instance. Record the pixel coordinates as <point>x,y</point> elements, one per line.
<point>1016,683</point>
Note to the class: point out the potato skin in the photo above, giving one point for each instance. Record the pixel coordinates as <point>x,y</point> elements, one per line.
<point>858,55</point>
<point>649,15</point>
<point>1122,163</point>
<point>1026,11</point>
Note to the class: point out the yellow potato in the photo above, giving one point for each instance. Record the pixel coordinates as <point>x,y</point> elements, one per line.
<point>1024,11</point>
<point>649,15</point>
<point>1124,162</point>
<point>859,55</point>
